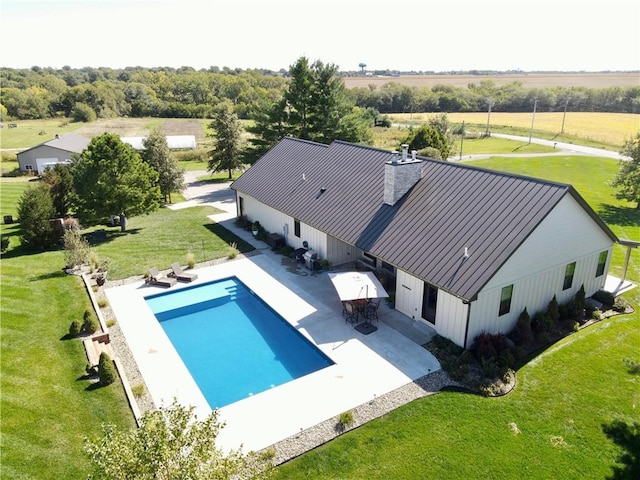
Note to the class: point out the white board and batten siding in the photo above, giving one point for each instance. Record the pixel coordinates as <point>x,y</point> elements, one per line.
<point>274,221</point>
<point>451,312</point>
<point>537,269</point>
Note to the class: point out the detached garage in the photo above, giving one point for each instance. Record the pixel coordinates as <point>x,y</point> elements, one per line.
<point>59,150</point>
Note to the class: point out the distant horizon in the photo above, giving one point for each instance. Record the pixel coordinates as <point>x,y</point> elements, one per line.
<point>402,36</point>
<point>474,71</point>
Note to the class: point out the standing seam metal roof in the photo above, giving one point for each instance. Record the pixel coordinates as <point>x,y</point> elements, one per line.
<point>452,207</point>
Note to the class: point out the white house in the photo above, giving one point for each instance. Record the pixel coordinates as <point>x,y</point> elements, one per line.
<point>466,249</point>
<point>58,150</point>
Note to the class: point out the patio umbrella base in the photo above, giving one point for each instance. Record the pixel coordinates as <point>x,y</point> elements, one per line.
<point>366,328</point>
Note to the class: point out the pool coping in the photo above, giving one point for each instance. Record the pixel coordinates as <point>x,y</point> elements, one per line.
<point>366,367</point>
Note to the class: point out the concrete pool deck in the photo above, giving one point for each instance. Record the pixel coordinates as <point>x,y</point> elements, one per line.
<point>366,366</point>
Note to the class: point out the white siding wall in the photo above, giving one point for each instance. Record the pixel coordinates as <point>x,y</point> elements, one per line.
<point>537,269</point>
<point>339,252</point>
<point>451,313</point>
<point>274,221</point>
<point>42,152</point>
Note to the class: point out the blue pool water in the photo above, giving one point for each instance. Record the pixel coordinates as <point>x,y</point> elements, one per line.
<point>233,343</point>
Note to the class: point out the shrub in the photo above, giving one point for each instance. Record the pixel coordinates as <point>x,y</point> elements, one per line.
<point>232,251</point>
<point>579,299</point>
<point>541,322</point>
<point>75,328</point>
<point>596,315</point>
<point>489,346</point>
<point>191,260</point>
<point>138,390</point>
<point>489,368</point>
<point>76,248</point>
<point>506,358</point>
<point>553,310</point>
<point>106,370</point>
<point>522,330</point>
<point>604,297</point>
<point>102,302</point>
<point>619,305</point>
<point>90,323</point>
<point>345,420</point>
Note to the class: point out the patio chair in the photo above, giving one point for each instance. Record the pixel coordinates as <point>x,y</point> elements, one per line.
<point>371,310</point>
<point>179,274</point>
<point>349,312</point>
<point>156,279</point>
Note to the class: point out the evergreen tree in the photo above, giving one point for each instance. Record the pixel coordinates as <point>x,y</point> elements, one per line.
<point>110,178</point>
<point>157,154</point>
<point>315,106</point>
<point>35,210</point>
<point>227,130</point>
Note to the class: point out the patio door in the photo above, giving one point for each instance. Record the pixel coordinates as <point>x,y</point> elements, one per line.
<point>429,302</point>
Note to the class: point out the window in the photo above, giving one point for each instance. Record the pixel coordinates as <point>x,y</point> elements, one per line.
<point>568,276</point>
<point>369,259</point>
<point>505,300</point>
<point>602,262</point>
<point>296,227</point>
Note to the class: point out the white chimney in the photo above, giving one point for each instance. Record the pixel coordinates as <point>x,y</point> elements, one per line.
<point>399,177</point>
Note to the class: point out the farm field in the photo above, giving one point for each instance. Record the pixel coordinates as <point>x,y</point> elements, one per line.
<point>588,128</point>
<point>528,80</point>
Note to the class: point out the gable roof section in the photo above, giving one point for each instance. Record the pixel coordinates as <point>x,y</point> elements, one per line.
<point>452,208</point>
<point>68,143</point>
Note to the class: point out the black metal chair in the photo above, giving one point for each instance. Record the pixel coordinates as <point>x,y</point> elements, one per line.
<point>371,310</point>
<point>349,312</point>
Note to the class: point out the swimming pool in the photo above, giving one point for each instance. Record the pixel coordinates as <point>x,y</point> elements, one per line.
<point>233,344</point>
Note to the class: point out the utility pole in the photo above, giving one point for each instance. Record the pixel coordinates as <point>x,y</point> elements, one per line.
<point>566,104</point>
<point>491,102</point>
<point>535,104</point>
<point>461,139</point>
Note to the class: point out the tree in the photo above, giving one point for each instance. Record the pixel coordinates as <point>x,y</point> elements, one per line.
<point>110,178</point>
<point>171,443</point>
<point>628,178</point>
<point>60,182</point>
<point>226,151</point>
<point>428,137</point>
<point>316,106</point>
<point>35,210</point>
<point>157,154</point>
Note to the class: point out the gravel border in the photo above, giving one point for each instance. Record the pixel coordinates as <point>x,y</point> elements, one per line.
<point>295,445</point>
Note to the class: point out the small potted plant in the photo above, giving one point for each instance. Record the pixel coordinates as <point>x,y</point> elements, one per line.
<point>255,228</point>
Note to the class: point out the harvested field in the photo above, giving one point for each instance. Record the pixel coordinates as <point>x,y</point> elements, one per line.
<point>528,80</point>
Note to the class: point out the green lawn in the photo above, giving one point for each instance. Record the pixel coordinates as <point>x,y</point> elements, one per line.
<point>562,401</point>
<point>48,406</point>
<point>550,426</point>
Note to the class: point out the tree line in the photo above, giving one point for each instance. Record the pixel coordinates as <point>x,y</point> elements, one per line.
<point>89,93</point>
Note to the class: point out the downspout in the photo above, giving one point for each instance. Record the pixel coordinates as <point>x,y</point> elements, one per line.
<point>466,328</point>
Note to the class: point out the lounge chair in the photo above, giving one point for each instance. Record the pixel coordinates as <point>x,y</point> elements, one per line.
<point>179,274</point>
<point>156,279</point>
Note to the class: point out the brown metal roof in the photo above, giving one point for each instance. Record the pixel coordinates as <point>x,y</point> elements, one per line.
<point>451,208</point>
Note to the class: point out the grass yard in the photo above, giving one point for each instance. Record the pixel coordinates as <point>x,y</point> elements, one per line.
<point>551,426</point>
<point>48,406</point>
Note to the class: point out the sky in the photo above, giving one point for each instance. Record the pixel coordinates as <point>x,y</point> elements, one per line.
<point>405,35</point>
